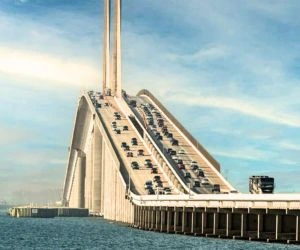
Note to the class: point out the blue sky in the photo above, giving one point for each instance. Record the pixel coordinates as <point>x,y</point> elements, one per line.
<point>229,70</point>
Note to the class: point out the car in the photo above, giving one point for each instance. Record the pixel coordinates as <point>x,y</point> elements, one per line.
<point>167,190</point>
<point>194,167</point>
<point>181,152</point>
<point>134,142</point>
<point>186,174</point>
<point>169,135</point>
<point>117,131</point>
<point>156,178</point>
<point>134,165</point>
<point>233,192</point>
<point>106,104</point>
<point>125,128</point>
<point>174,142</point>
<point>159,137</point>
<point>123,144</point>
<point>205,182</point>
<point>118,117</point>
<point>154,171</point>
<point>116,113</point>
<point>165,132</point>
<point>179,161</point>
<point>181,166</point>
<point>149,165</point>
<point>150,191</point>
<point>169,150</point>
<point>194,162</point>
<point>196,183</point>
<point>175,158</point>
<point>158,184</point>
<point>148,184</point>
<point>132,103</point>
<point>114,126</point>
<point>173,152</point>
<point>200,173</point>
<point>140,152</point>
<point>216,188</point>
<point>126,148</point>
<point>129,154</point>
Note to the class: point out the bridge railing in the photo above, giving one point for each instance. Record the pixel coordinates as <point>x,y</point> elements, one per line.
<point>243,201</point>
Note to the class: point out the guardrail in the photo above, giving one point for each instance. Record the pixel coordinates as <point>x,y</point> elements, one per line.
<point>262,201</point>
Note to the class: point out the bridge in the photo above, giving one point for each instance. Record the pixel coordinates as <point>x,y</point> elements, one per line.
<point>132,161</point>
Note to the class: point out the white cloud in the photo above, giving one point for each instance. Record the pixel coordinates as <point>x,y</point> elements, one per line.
<point>246,107</point>
<point>245,154</point>
<point>44,67</point>
<point>289,145</point>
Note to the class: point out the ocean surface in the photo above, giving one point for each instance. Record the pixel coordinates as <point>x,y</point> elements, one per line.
<point>97,233</point>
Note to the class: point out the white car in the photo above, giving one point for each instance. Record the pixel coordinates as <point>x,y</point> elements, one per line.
<point>181,152</point>
<point>205,181</point>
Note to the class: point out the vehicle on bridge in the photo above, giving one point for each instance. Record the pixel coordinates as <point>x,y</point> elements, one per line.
<point>261,184</point>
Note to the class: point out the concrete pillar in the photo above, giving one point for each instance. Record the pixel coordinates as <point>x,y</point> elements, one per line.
<point>243,224</point>
<point>216,222</point>
<point>175,219</point>
<point>259,225</point>
<point>228,223</point>
<point>168,220</point>
<point>157,220</point>
<point>204,222</point>
<point>297,228</point>
<point>162,220</point>
<point>152,218</point>
<point>141,217</point>
<point>183,219</point>
<point>106,42</point>
<point>193,221</point>
<point>97,171</point>
<point>278,226</point>
<point>81,181</point>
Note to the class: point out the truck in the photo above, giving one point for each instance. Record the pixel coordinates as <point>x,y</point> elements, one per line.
<point>261,184</point>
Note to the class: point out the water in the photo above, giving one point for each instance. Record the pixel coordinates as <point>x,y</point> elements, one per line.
<point>96,233</point>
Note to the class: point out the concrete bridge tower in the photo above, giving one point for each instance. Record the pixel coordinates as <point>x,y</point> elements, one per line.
<point>112,70</point>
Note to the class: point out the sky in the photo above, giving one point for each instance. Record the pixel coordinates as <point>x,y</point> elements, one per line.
<point>228,70</point>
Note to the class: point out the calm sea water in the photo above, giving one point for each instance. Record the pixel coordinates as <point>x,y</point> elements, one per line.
<point>96,233</point>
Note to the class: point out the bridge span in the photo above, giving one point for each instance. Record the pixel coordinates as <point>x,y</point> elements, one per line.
<point>100,177</point>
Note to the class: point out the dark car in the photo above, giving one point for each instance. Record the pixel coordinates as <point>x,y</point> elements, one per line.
<point>134,142</point>
<point>126,148</point>
<point>173,152</point>
<point>174,142</point>
<point>125,128</point>
<point>216,188</point>
<point>194,167</point>
<point>150,191</point>
<point>134,165</point>
<point>129,154</point>
<point>169,135</point>
<point>140,152</point>
<point>154,171</point>
<point>123,144</point>
<point>149,165</point>
<point>117,131</point>
<point>156,178</point>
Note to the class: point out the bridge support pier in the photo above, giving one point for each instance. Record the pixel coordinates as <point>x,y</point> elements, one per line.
<point>162,220</point>
<point>297,227</point>
<point>259,225</point>
<point>184,217</point>
<point>157,219</point>
<point>175,219</point>
<point>193,221</point>
<point>228,223</point>
<point>168,219</point>
<point>152,218</point>
<point>278,226</point>
<point>204,222</point>
<point>216,222</point>
<point>243,224</point>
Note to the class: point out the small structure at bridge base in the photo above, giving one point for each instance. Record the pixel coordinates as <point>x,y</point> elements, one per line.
<point>48,212</point>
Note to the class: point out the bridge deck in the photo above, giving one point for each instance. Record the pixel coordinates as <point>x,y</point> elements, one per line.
<point>190,154</point>
<point>138,176</point>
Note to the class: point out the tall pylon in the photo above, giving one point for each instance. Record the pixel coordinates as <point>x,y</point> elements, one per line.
<point>112,68</point>
<point>106,47</point>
